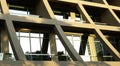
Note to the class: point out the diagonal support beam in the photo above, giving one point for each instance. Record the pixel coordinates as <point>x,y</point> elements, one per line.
<point>44,10</point>
<point>4,7</point>
<point>99,34</point>
<point>108,45</point>
<point>15,44</point>
<point>68,46</point>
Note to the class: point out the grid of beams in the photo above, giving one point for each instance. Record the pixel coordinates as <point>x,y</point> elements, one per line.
<point>57,25</point>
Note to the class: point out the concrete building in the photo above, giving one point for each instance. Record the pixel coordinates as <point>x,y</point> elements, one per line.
<point>59,32</point>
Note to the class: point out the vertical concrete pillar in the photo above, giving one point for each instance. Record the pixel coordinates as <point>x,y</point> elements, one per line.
<point>83,42</point>
<point>53,47</point>
<point>45,43</point>
<point>73,16</point>
<point>4,36</point>
<point>92,48</point>
<point>4,44</point>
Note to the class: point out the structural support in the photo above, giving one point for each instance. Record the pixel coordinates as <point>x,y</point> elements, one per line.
<point>108,45</point>
<point>112,12</point>
<point>68,46</point>
<point>99,34</point>
<point>83,42</point>
<point>4,7</point>
<point>93,52</point>
<point>45,43</point>
<point>53,47</point>
<point>4,44</point>
<point>15,44</point>
<point>44,10</point>
<point>73,16</point>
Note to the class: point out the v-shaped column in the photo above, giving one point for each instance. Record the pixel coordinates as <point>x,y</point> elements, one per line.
<point>99,34</point>
<point>68,46</point>
<point>15,44</point>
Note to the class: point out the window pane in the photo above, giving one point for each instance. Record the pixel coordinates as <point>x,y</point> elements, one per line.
<point>77,45</point>
<point>76,38</point>
<point>25,43</point>
<point>10,49</point>
<point>41,35</point>
<point>49,49</point>
<point>56,36</point>
<point>60,47</point>
<point>71,41</point>
<point>17,33</point>
<point>69,37</point>
<point>24,34</point>
<point>34,34</point>
<point>35,44</point>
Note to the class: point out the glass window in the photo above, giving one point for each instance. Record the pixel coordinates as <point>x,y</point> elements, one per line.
<point>76,38</point>
<point>34,34</point>
<point>24,34</point>
<point>25,44</point>
<point>60,47</point>
<point>77,45</point>
<point>35,44</point>
<point>69,37</point>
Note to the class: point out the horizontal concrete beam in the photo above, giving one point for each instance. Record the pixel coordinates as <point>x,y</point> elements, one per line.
<point>23,19</point>
<point>54,63</point>
<point>68,1</point>
<point>93,4</point>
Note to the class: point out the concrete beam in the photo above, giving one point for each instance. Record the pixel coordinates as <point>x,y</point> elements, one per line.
<point>68,1</point>
<point>45,43</point>
<point>54,63</point>
<point>53,47</point>
<point>92,47</point>
<point>4,43</point>
<point>83,44</point>
<point>44,10</point>
<point>99,34</point>
<point>68,46</point>
<point>4,7</point>
<point>15,44</point>
<point>73,16</point>
<point>93,4</point>
<point>108,45</point>
<point>62,23</point>
<point>112,13</point>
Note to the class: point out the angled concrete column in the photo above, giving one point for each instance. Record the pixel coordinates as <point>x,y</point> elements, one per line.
<point>68,46</point>
<point>99,34</point>
<point>44,10</point>
<point>45,43</point>
<point>93,52</point>
<point>83,42</point>
<point>107,44</point>
<point>112,12</point>
<point>15,44</point>
<point>4,7</point>
<point>53,47</point>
